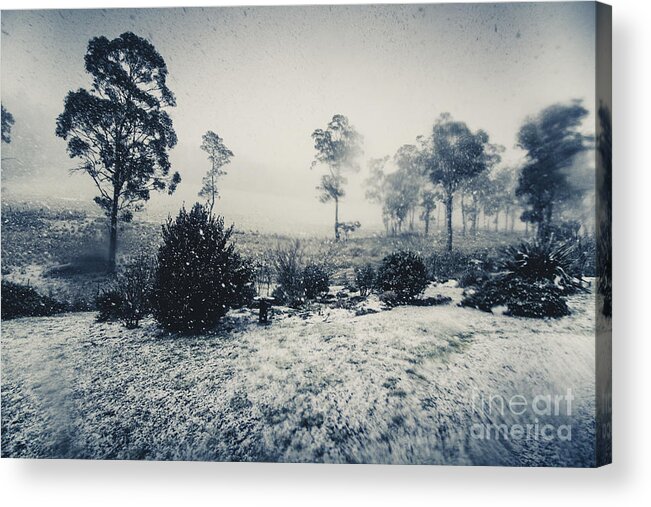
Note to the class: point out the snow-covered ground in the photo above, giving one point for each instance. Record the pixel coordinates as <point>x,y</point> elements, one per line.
<point>399,386</point>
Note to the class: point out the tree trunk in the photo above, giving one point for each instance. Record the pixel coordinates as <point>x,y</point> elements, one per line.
<point>507,213</point>
<point>475,212</point>
<point>463,215</point>
<point>427,225</point>
<point>448,219</point>
<point>337,236</point>
<point>212,201</point>
<point>497,220</point>
<point>213,191</point>
<point>543,226</point>
<point>113,234</point>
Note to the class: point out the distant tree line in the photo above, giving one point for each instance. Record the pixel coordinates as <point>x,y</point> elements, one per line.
<point>121,132</point>
<point>455,163</point>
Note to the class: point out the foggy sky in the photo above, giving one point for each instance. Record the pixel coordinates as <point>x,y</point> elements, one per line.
<point>264,78</point>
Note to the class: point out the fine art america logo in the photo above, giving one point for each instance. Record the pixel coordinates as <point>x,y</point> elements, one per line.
<point>539,417</point>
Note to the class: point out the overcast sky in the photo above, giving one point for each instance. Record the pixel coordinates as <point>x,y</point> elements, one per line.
<point>264,78</point>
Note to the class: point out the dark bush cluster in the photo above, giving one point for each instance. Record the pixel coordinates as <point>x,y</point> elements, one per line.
<point>316,281</point>
<point>365,279</point>
<point>24,301</point>
<point>404,274</point>
<point>456,265</point>
<point>555,262</point>
<point>296,279</point>
<point>390,298</point>
<point>199,275</point>
<point>536,276</point>
<point>129,297</point>
<point>473,277</point>
<point>521,298</point>
<point>135,286</point>
<point>109,305</point>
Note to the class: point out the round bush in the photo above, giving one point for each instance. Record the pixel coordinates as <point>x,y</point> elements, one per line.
<point>109,305</point>
<point>199,275</point>
<point>403,273</point>
<point>316,281</point>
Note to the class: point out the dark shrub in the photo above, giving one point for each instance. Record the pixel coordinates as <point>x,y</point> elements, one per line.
<point>109,305</point>
<point>522,298</point>
<point>536,277</point>
<point>365,279</point>
<point>242,279</point>
<point>473,277</point>
<point>129,298</point>
<point>437,300</point>
<point>199,275</point>
<point>490,294</point>
<point>288,266</point>
<point>316,281</point>
<point>345,281</point>
<point>390,298</point>
<point>558,263</point>
<point>539,300</point>
<point>134,286</point>
<point>403,273</point>
<point>24,301</point>
<point>446,265</point>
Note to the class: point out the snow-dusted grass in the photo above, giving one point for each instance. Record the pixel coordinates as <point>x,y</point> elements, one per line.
<point>387,387</point>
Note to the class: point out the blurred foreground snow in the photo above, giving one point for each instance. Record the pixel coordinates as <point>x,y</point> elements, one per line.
<point>387,387</point>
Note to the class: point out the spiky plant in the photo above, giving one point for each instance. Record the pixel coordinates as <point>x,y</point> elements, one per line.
<point>549,260</point>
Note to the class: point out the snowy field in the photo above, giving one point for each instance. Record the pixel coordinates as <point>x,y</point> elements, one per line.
<point>388,387</point>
